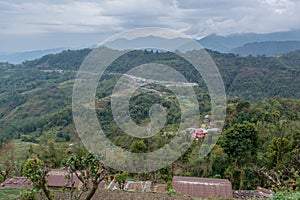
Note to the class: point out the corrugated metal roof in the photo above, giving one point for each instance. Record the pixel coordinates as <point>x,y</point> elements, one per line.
<point>57,178</point>
<point>17,182</point>
<point>143,186</point>
<point>202,187</point>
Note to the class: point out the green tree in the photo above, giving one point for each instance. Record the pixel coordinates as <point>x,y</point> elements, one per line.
<point>240,142</point>
<point>279,147</point>
<point>121,179</point>
<point>37,172</point>
<point>138,147</point>
<point>89,170</point>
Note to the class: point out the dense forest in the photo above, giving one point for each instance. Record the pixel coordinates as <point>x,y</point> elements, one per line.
<point>259,145</point>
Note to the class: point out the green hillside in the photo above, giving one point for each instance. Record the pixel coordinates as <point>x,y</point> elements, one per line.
<point>261,129</point>
<point>36,95</point>
<point>251,78</point>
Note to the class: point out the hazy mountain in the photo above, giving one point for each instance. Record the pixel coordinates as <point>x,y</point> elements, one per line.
<point>234,43</point>
<point>150,42</point>
<point>19,57</point>
<point>269,48</point>
<point>227,43</point>
<point>243,44</point>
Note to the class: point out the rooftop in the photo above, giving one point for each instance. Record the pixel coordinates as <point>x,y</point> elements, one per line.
<point>202,187</point>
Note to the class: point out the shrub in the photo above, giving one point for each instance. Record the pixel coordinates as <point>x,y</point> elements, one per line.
<point>285,196</point>
<point>27,194</point>
<point>171,191</point>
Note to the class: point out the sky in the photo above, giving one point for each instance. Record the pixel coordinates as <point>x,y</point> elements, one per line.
<point>27,25</point>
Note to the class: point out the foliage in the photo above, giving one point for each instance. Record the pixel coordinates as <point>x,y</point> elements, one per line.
<point>138,147</point>
<point>90,172</point>
<point>27,194</point>
<point>169,185</point>
<point>35,170</point>
<point>284,196</point>
<point>171,191</point>
<point>121,179</point>
<point>240,142</point>
<point>279,147</point>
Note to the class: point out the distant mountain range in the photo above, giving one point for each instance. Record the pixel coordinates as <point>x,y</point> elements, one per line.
<point>269,44</point>
<point>19,57</point>
<point>225,44</point>
<point>150,42</point>
<point>268,48</point>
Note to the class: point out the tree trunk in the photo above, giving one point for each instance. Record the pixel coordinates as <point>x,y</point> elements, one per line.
<point>47,192</point>
<point>92,192</point>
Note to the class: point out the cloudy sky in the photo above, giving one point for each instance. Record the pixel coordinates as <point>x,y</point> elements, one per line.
<point>42,24</point>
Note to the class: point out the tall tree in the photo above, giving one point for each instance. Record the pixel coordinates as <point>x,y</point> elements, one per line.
<point>240,142</point>
<point>89,170</point>
<point>37,172</point>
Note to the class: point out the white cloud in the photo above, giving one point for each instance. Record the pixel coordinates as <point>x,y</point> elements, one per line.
<point>280,6</point>
<point>193,17</point>
<point>39,17</point>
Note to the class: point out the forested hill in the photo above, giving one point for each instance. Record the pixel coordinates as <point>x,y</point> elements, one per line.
<point>260,137</point>
<point>66,60</point>
<point>38,93</point>
<point>251,78</point>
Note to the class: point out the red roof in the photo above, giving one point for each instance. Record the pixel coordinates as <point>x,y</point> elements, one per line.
<point>202,187</point>
<point>160,188</point>
<point>57,178</point>
<point>17,182</point>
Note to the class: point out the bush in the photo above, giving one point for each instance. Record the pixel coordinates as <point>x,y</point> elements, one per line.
<point>27,194</point>
<point>169,185</point>
<point>285,196</point>
<point>121,179</point>
<point>171,191</point>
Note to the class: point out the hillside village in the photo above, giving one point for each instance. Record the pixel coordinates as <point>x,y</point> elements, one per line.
<point>190,186</point>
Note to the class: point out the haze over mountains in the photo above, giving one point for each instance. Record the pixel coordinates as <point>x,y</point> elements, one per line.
<point>268,48</point>
<point>228,43</point>
<point>20,57</point>
<point>244,44</point>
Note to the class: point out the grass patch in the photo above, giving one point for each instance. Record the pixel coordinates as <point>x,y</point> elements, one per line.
<point>10,194</point>
<point>21,149</point>
<point>66,84</point>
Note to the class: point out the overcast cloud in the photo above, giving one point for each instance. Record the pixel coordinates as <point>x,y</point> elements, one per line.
<point>43,24</point>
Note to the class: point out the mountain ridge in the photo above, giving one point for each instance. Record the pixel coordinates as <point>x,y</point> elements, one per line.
<point>223,44</point>
<point>268,48</point>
